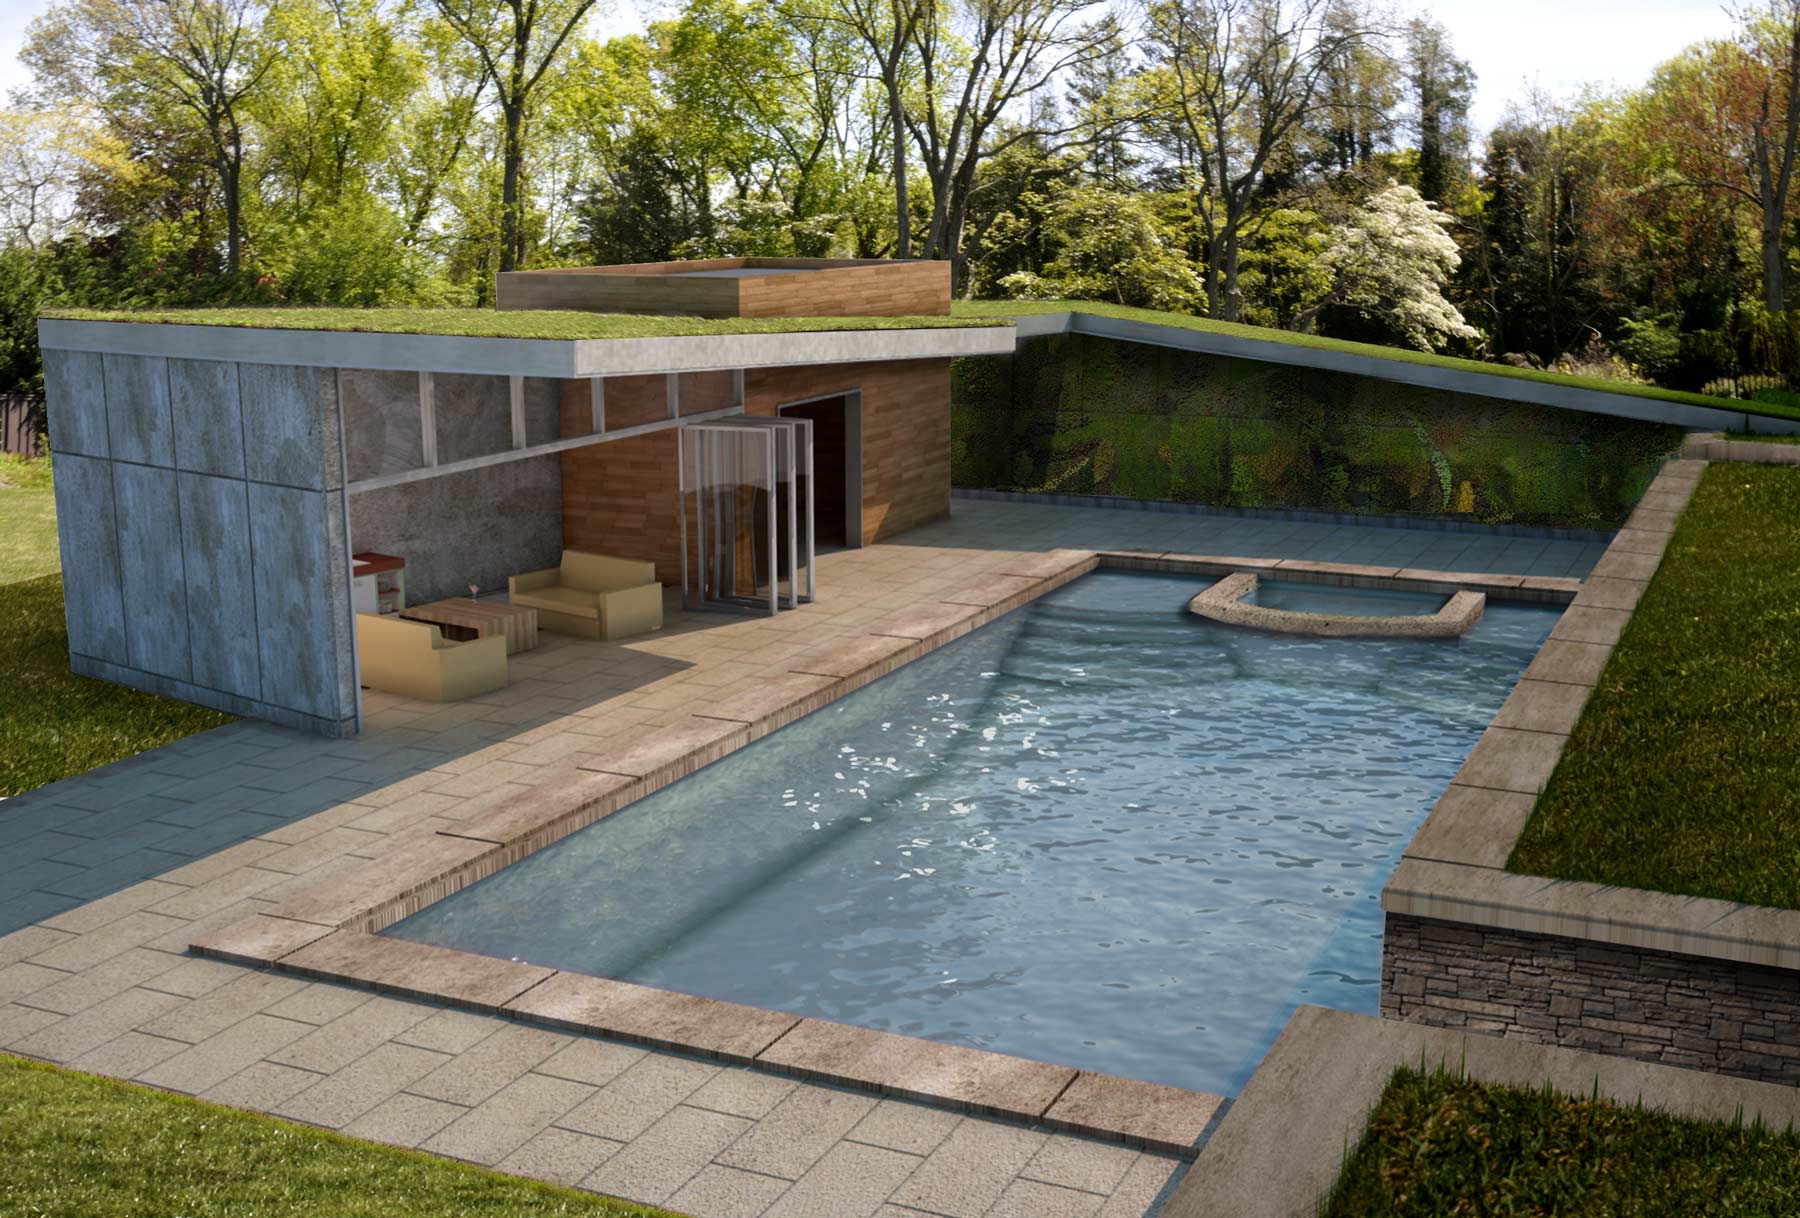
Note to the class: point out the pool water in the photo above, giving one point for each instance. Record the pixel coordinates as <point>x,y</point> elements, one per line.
<point>1100,831</point>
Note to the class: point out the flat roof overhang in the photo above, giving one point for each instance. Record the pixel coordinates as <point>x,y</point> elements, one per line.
<point>538,357</point>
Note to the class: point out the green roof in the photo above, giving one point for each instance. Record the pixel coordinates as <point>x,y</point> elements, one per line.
<point>521,323</point>
<point>1021,308</point>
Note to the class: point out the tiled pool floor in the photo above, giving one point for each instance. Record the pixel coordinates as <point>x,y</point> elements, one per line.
<point>106,877</point>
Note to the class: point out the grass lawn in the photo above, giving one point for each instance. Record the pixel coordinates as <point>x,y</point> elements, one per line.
<point>54,723</point>
<point>77,1146</point>
<point>1437,1145</point>
<point>1683,774</point>
<point>514,323</point>
<point>1021,308</point>
<point>27,519</point>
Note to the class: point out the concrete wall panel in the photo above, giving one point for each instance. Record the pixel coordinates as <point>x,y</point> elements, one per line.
<point>290,425</point>
<point>150,570</point>
<point>474,416</point>
<point>209,429</point>
<point>90,557</point>
<point>381,422</point>
<point>75,397</point>
<point>296,601</point>
<point>138,420</point>
<point>221,600</point>
<point>475,527</point>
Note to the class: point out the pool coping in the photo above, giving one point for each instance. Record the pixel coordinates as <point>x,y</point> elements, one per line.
<point>332,932</point>
<point>1226,601</point>
<point>1279,1150</point>
<point>1454,869</point>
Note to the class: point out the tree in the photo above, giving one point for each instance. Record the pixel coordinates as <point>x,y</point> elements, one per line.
<point>143,63</point>
<point>886,28</point>
<point>516,42</point>
<point>982,61</point>
<point>1388,264</point>
<point>1110,246</point>
<point>1442,89</point>
<point>1241,77</point>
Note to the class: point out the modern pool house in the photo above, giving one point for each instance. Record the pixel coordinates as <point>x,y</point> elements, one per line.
<point>717,734</point>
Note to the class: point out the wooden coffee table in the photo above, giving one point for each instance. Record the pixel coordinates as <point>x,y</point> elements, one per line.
<point>462,618</point>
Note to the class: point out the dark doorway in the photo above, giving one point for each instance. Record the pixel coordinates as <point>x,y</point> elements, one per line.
<point>837,457</point>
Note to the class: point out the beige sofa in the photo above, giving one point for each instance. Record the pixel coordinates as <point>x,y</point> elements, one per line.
<point>415,660</point>
<point>592,595</point>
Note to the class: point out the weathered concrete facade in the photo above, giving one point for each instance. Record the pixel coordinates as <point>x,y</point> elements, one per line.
<point>1692,1011</point>
<point>200,511</point>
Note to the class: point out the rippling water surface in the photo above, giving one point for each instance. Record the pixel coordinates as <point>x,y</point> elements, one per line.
<point>1100,831</point>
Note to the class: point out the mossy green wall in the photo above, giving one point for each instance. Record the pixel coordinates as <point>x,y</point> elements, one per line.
<point>1076,414</point>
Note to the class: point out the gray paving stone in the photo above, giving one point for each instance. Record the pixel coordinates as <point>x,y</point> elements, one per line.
<point>634,1101</point>
<point>65,1038</point>
<point>507,1119</point>
<point>195,977</point>
<point>260,1086</point>
<point>503,1056</point>
<point>451,1031</point>
<point>1031,1199</point>
<point>128,1055</point>
<point>362,1084</point>
<point>31,941</point>
<point>560,1156</point>
<point>250,992</point>
<point>966,1175</point>
<point>79,991</point>
<point>18,980</point>
<point>348,1037</point>
<point>1140,1188</point>
<point>212,1061</point>
<point>798,1131</point>
<point>851,1181</point>
<point>19,1023</point>
<point>671,1152</point>
<point>1079,1163</point>
<point>726,1192</point>
<point>745,1093</point>
<point>591,1061</point>
<point>899,1125</point>
<point>321,1002</point>
<point>85,951</point>
<point>404,1120</point>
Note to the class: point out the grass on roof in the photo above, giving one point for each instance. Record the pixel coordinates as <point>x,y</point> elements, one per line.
<point>1439,1144</point>
<point>520,323</point>
<point>84,1147</point>
<point>1683,773</point>
<point>1021,308</point>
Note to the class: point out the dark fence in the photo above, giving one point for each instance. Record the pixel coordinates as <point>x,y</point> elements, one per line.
<point>21,418</point>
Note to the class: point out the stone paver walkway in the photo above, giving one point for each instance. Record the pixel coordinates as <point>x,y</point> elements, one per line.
<point>106,877</point>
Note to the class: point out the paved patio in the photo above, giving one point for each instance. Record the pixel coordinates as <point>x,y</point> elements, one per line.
<point>108,876</point>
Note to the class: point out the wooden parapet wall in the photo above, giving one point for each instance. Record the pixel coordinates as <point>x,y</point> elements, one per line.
<point>764,287</point>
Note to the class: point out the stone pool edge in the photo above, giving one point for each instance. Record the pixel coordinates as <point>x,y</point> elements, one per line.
<point>1277,1153</point>
<point>331,933</point>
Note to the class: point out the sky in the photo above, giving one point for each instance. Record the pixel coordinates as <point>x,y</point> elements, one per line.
<point>1555,45</point>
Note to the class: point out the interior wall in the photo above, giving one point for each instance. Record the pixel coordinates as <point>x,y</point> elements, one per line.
<point>619,497</point>
<point>476,527</point>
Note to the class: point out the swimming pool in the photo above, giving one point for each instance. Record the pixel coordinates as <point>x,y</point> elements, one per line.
<point>1099,831</point>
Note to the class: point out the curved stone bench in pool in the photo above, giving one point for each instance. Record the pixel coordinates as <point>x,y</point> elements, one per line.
<point>1224,602</point>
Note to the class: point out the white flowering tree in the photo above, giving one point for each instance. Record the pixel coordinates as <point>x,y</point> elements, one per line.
<point>1389,261</point>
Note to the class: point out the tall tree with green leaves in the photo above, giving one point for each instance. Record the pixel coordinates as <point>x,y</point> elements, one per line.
<point>1240,78</point>
<point>147,65</point>
<point>1441,89</point>
<point>516,41</point>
